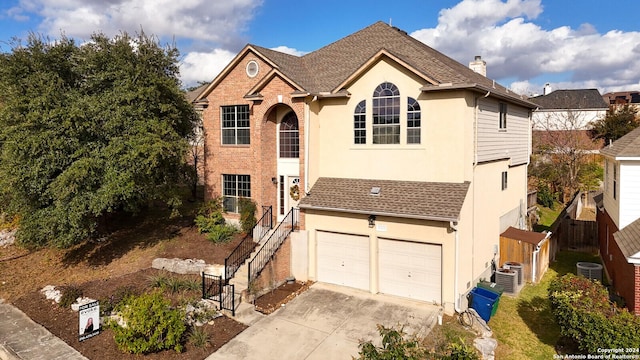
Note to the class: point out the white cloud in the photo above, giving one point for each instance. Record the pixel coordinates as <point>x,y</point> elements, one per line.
<point>506,36</point>
<point>216,21</point>
<point>288,50</point>
<point>200,66</point>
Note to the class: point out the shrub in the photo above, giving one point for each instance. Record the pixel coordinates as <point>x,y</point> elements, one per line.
<point>69,295</point>
<point>199,338</point>
<point>207,224</point>
<point>210,207</point>
<point>395,345</point>
<point>585,314</point>
<point>109,303</point>
<point>173,284</point>
<point>545,198</point>
<point>247,214</point>
<point>221,233</point>
<point>151,325</point>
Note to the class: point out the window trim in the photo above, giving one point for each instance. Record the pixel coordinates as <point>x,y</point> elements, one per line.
<point>292,150</point>
<point>238,190</point>
<point>235,126</point>
<point>615,181</point>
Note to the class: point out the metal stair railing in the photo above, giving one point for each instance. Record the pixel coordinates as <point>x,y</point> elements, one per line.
<point>244,249</point>
<point>272,244</point>
<point>215,288</point>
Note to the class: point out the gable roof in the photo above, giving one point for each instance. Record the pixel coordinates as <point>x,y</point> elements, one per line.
<point>530,237</point>
<point>326,70</point>
<point>582,99</point>
<point>406,199</point>
<point>627,146</point>
<point>628,240</point>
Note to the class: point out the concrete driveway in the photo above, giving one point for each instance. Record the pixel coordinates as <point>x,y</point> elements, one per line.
<point>327,322</point>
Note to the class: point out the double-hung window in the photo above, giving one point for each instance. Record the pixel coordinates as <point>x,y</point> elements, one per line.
<point>386,114</point>
<point>235,187</point>
<point>503,116</point>
<point>235,125</point>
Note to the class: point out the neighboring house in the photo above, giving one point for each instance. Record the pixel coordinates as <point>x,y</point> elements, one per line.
<point>568,109</point>
<point>619,217</point>
<point>623,97</point>
<point>405,164</point>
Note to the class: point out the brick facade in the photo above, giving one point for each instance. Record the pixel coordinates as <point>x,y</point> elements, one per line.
<point>624,277</point>
<point>259,158</point>
<point>276,271</point>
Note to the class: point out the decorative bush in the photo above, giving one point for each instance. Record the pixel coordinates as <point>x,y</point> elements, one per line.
<point>247,214</point>
<point>544,196</point>
<point>151,325</point>
<point>209,223</point>
<point>210,207</point>
<point>69,295</point>
<point>221,233</point>
<point>585,314</point>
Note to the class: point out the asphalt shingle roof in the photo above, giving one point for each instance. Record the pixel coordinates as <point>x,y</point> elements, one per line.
<point>571,99</point>
<point>628,239</point>
<point>626,146</point>
<point>530,237</point>
<point>408,199</point>
<point>323,70</point>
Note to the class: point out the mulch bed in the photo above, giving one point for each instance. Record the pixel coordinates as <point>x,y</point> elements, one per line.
<point>63,322</point>
<point>274,299</point>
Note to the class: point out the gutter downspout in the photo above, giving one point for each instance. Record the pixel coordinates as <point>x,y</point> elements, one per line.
<point>456,300</point>
<point>306,145</point>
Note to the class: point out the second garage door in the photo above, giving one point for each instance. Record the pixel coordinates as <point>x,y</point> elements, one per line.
<point>409,269</point>
<point>343,259</point>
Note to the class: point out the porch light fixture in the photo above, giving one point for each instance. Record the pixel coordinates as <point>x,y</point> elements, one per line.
<point>372,221</point>
<point>274,180</point>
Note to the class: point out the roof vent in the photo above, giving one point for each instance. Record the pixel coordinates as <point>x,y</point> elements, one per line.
<point>375,190</point>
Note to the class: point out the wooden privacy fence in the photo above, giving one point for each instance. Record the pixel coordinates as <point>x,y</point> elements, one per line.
<point>577,234</point>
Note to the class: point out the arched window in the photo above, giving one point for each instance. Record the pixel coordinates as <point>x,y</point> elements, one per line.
<point>413,121</point>
<point>289,139</point>
<point>386,114</point>
<point>360,123</point>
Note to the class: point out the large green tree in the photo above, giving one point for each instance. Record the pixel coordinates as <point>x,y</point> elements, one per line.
<point>88,130</point>
<point>617,123</point>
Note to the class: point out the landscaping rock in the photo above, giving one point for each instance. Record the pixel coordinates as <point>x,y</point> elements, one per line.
<point>486,346</point>
<point>7,237</point>
<point>179,266</point>
<point>51,293</point>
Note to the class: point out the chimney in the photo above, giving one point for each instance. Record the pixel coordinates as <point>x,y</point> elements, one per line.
<point>547,89</point>
<point>478,65</point>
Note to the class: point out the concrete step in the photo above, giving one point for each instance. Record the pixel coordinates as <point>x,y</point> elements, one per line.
<point>246,314</point>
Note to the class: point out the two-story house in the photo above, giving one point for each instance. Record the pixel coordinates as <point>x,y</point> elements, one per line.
<point>619,217</point>
<point>405,164</point>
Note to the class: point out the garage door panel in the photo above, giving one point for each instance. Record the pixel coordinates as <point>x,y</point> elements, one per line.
<point>410,269</point>
<point>343,259</point>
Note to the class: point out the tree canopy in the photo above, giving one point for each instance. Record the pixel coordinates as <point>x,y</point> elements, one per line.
<point>87,130</point>
<point>618,122</point>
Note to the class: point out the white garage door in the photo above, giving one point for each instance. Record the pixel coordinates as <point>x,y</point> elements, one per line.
<point>343,259</point>
<point>411,270</point>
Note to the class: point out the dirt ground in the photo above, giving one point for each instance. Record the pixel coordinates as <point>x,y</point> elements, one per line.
<point>101,267</point>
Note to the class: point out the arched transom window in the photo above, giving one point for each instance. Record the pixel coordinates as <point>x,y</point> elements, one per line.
<point>413,121</point>
<point>289,136</point>
<point>386,114</point>
<point>360,123</point>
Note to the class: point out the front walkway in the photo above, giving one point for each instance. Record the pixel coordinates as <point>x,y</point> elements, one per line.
<point>327,322</point>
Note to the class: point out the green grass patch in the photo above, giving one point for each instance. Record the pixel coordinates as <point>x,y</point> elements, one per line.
<point>524,325</point>
<point>548,216</point>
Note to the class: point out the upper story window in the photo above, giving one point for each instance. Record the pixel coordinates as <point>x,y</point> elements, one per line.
<point>289,136</point>
<point>235,125</point>
<point>504,180</point>
<point>360,123</point>
<point>615,180</point>
<point>503,116</point>
<point>413,121</point>
<point>386,114</point>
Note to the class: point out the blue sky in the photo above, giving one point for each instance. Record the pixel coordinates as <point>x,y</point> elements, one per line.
<point>526,43</point>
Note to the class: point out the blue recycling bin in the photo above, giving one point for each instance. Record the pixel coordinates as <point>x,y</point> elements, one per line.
<point>484,302</point>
